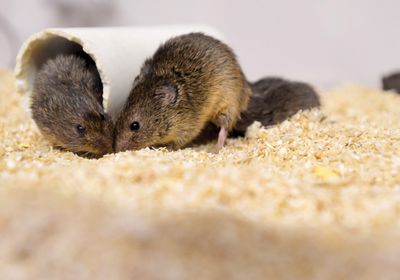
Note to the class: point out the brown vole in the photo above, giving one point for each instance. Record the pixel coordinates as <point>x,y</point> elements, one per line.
<point>66,105</point>
<point>190,80</point>
<point>273,101</point>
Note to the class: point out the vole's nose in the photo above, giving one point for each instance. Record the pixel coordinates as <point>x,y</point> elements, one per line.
<point>110,148</point>
<point>104,146</point>
<point>121,145</point>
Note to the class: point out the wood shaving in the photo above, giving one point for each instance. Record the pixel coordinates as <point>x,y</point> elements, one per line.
<point>315,197</point>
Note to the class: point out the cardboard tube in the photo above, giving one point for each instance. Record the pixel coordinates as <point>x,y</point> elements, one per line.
<point>117,51</point>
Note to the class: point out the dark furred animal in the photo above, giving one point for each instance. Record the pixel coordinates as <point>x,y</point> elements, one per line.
<point>191,80</point>
<point>273,101</point>
<point>66,105</point>
<point>391,82</point>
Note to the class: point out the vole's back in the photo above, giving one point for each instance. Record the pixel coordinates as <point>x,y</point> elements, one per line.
<point>209,72</point>
<point>68,73</point>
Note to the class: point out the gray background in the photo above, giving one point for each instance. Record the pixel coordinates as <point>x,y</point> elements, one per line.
<point>326,42</point>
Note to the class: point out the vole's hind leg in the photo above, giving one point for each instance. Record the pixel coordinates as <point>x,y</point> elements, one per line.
<point>225,124</point>
<point>222,135</point>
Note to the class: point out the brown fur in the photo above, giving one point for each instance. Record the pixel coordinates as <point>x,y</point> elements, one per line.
<point>191,79</point>
<point>67,92</point>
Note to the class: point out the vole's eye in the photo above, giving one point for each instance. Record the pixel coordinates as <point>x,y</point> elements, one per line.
<point>102,117</point>
<point>134,126</point>
<point>81,129</point>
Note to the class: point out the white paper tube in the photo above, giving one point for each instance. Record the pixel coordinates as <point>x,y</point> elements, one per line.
<point>117,51</point>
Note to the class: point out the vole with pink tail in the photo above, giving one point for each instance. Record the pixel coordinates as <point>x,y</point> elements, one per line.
<point>191,80</point>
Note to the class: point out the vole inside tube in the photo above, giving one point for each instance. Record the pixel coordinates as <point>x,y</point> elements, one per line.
<point>66,105</point>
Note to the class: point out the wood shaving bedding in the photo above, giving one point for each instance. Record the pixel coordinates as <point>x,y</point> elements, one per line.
<point>315,197</point>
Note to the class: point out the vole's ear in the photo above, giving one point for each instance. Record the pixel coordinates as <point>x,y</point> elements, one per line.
<point>144,71</point>
<point>169,94</point>
<point>146,68</point>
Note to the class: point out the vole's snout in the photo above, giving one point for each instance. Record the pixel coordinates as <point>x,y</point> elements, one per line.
<point>121,146</point>
<point>121,143</point>
<point>108,146</point>
<point>104,139</point>
<point>101,146</point>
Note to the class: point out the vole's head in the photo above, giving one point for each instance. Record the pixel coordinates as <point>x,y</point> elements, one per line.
<point>66,107</point>
<point>151,114</point>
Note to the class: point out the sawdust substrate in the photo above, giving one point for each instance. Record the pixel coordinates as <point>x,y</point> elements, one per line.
<point>315,197</point>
